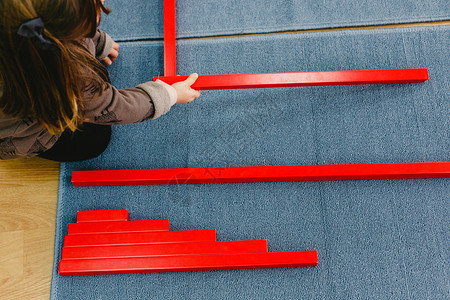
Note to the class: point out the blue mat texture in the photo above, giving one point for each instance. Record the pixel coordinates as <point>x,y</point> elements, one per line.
<point>143,19</point>
<point>380,239</point>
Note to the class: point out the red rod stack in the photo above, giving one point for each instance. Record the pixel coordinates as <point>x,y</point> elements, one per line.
<point>110,245</point>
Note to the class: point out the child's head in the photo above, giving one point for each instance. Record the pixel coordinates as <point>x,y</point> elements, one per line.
<point>43,66</point>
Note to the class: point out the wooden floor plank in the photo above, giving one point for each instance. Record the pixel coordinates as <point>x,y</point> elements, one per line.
<point>27,227</point>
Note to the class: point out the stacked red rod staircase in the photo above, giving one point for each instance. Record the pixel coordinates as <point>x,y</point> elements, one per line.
<point>106,242</point>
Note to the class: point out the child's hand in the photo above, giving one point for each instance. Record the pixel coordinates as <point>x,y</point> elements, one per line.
<point>113,55</point>
<point>185,92</point>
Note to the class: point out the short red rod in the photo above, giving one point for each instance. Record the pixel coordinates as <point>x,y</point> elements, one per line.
<point>104,215</point>
<point>118,226</point>
<point>135,238</point>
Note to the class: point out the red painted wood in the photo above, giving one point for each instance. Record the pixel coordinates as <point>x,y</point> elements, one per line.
<point>164,249</point>
<point>102,215</point>
<point>188,263</point>
<point>134,238</point>
<point>118,227</point>
<point>170,56</point>
<point>262,174</point>
<point>274,80</point>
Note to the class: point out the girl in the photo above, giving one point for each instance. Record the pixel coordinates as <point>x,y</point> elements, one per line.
<point>56,100</point>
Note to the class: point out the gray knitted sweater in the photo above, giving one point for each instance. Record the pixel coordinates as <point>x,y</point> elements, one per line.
<point>26,138</point>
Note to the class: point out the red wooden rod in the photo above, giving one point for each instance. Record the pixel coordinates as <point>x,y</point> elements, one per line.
<point>102,215</point>
<point>134,238</point>
<point>262,174</point>
<point>164,249</point>
<point>274,80</point>
<point>188,263</point>
<point>118,226</point>
<point>170,56</point>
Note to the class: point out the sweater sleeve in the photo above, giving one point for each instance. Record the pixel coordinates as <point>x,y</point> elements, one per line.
<point>103,44</point>
<point>148,100</point>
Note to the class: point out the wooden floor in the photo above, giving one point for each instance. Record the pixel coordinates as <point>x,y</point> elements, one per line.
<point>28,197</point>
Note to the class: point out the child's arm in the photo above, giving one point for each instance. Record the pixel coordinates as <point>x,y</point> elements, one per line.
<point>147,101</point>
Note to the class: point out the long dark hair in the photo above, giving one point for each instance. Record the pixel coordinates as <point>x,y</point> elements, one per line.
<point>48,84</point>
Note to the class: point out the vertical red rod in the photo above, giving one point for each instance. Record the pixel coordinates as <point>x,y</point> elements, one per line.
<point>170,54</point>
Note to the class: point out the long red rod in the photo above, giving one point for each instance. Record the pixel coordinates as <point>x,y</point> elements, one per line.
<point>276,80</point>
<point>261,174</point>
<point>188,263</point>
<point>170,56</point>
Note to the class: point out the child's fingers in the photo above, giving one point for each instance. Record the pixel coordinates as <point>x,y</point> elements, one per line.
<point>191,95</point>
<point>115,46</point>
<point>191,79</point>
<point>107,61</point>
<point>114,53</point>
<point>195,93</point>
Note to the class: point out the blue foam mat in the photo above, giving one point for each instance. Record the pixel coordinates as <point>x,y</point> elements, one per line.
<point>144,19</point>
<point>385,239</point>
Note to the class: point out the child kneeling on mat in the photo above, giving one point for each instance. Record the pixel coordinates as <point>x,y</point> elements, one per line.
<point>56,99</point>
